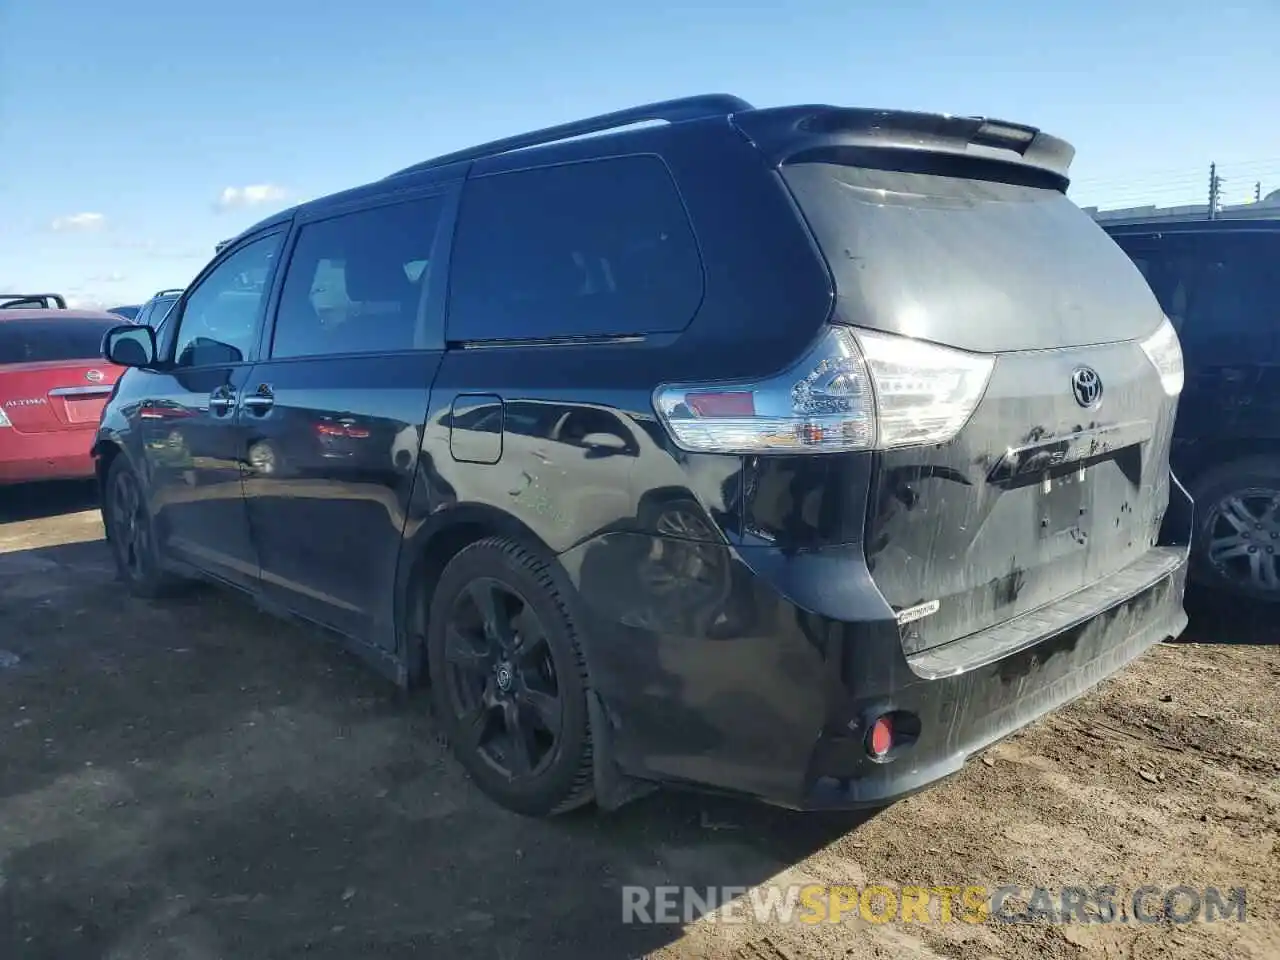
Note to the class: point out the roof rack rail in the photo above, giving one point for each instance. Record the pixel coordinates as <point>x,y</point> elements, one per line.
<point>47,301</point>
<point>672,111</point>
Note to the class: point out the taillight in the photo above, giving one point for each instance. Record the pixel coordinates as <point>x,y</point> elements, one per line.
<point>854,390</point>
<point>1165,353</point>
<point>328,429</point>
<point>4,420</point>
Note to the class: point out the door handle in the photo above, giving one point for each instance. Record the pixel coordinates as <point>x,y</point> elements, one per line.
<point>258,403</point>
<point>220,401</point>
<point>261,400</point>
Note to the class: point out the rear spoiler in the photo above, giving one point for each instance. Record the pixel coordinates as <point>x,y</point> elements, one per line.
<point>26,301</point>
<point>796,134</point>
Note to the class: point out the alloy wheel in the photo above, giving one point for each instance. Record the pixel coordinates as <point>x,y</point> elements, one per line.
<point>502,684</point>
<point>131,533</point>
<point>1243,542</point>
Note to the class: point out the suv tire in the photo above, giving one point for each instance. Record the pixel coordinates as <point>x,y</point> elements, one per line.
<point>509,680</point>
<point>130,530</point>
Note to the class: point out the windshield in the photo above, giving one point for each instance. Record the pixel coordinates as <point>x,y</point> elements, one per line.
<point>34,341</point>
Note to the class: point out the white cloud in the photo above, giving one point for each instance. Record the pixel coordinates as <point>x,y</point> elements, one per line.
<point>80,221</point>
<point>254,195</point>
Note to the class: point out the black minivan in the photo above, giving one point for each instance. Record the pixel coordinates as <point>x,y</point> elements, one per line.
<point>1218,281</point>
<point>799,453</point>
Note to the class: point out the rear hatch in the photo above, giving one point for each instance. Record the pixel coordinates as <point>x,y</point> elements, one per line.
<point>1059,476</point>
<point>51,378</point>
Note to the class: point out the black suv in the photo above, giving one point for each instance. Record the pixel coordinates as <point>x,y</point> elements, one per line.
<point>800,453</point>
<point>1219,283</point>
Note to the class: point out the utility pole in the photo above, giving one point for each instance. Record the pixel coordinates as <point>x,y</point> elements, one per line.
<point>1257,192</point>
<point>1215,190</point>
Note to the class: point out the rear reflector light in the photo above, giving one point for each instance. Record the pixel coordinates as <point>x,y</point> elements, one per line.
<point>852,391</point>
<point>4,420</point>
<point>1165,353</point>
<point>880,737</point>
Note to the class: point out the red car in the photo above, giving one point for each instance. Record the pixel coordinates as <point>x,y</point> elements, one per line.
<point>53,385</point>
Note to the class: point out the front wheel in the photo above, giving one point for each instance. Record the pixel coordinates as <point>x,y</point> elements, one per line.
<point>509,681</point>
<point>131,533</point>
<point>1237,538</point>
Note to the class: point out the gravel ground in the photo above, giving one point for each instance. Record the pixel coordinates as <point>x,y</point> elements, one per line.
<point>195,780</point>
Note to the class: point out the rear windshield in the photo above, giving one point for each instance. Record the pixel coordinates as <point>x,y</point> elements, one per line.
<point>978,264</point>
<point>30,341</point>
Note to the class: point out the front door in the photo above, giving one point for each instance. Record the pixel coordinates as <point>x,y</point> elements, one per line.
<point>194,446</point>
<point>332,415</point>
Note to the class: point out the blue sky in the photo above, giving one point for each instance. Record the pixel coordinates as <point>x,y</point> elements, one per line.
<point>136,134</point>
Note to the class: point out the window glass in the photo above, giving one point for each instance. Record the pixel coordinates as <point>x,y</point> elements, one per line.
<point>219,319</point>
<point>355,283</point>
<point>1221,290</point>
<point>30,341</point>
<point>160,311</point>
<point>598,248</point>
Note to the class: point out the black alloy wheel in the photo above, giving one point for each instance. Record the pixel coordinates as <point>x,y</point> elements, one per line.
<point>131,533</point>
<point>502,679</point>
<point>509,679</point>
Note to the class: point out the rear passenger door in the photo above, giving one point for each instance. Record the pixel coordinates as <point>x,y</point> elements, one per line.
<point>332,415</point>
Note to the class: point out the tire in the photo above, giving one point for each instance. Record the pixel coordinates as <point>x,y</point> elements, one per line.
<point>511,696</point>
<point>1251,486</point>
<point>130,531</point>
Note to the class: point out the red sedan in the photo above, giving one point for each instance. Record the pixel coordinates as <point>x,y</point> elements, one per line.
<point>53,385</point>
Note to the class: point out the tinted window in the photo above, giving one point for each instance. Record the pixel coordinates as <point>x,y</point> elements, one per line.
<point>598,248</point>
<point>1221,290</point>
<point>355,283</point>
<point>977,264</point>
<point>29,341</point>
<point>160,310</point>
<point>219,319</point>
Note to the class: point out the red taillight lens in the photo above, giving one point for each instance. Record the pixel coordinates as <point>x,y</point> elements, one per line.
<point>738,404</point>
<point>853,390</point>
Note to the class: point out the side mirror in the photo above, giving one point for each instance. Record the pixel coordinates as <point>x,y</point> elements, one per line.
<point>604,443</point>
<point>130,346</point>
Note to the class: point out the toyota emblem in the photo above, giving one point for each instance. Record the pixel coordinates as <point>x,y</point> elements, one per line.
<point>1086,386</point>
<point>94,376</point>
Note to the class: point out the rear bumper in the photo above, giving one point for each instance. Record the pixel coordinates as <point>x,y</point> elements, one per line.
<point>27,457</point>
<point>976,693</point>
<point>767,686</point>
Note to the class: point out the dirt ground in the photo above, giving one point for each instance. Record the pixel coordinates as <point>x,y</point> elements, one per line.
<point>195,780</point>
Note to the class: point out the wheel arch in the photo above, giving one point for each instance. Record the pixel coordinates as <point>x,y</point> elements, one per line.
<point>1209,458</point>
<point>425,554</point>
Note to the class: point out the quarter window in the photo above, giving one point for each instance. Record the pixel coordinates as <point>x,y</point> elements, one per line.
<point>356,283</point>
<point>597,248</point>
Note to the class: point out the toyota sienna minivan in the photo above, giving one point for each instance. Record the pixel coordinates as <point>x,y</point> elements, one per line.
<point>800,453</point>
